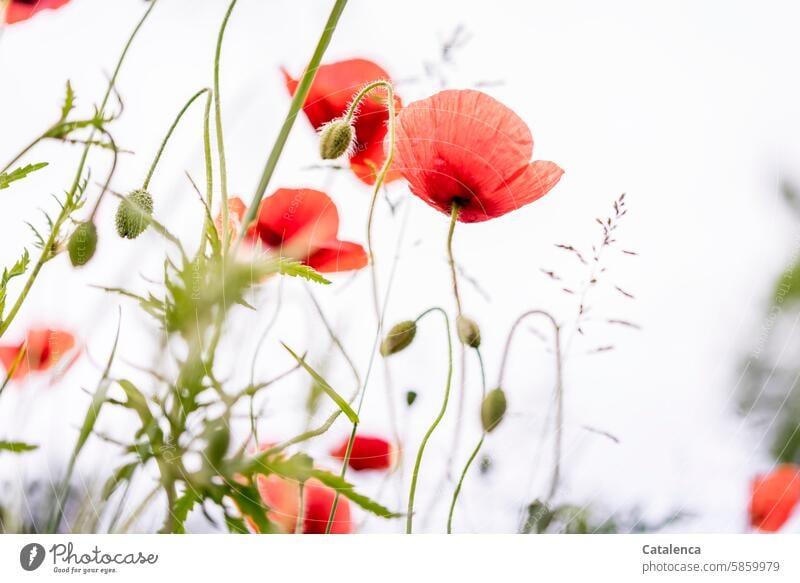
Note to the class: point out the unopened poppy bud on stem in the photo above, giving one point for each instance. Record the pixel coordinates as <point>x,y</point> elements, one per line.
<point>399,337</point>
<point>82,244</point>
<point>468,331</point>
<point>493,409</point>
<point>133,214</point>
<point>335,139</point>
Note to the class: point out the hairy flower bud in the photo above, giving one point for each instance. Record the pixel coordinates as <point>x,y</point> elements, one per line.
<point>468,331</point>
<point>335,139</point>
<point>493,409</point>
<point>400,336</point>
<point>133,214</point>
<point>82,244</point>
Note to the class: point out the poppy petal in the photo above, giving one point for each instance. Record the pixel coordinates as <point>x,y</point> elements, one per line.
<point>17,11</point>
<point>296,221</point>
<point>338,256</point>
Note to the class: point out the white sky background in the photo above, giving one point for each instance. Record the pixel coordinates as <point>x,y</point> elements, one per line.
<point>690,108</point>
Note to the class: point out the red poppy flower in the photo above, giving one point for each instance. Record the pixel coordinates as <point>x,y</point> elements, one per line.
<point>331,93</point>
<point>368,453</point>
<point>18,10</point>
<point>302,224</point>
<point>41,350</point>
<point>283,498</point>
<point>774,498</point>
<point>236,210</point>
<point>464,147</point>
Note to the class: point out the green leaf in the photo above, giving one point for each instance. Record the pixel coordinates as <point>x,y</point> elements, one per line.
<point>17,446</point>
<point>69,102</point>
<point>181,509</point>
<point>296,269</point>
<point>337,398</point>
<point>346,489</point>
<point>7,178</point>
<point>121,475</point>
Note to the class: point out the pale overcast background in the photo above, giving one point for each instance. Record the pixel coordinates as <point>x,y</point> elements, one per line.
<point>688,107</point>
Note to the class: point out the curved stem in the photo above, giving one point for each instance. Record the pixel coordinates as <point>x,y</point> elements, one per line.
<point>558,391</point>
<point>474,452</point>
<point>303,87</point>
<point>415,473</point>
<point>223,168</point>
<point>161,148</point>
<point>453,219</point>
<point>379,312</point>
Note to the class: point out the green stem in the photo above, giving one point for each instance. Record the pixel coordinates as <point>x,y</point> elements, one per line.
<point>164,142</point>
<point>297,102</point>
<point>474,452</point>
<point>379,313</point>
<point>558,390</point>
<point>453,219</point>
<point>415,473</point>
<point>223,168</point>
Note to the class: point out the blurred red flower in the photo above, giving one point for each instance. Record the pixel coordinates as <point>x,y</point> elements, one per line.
<point>302,224</point>
<point>465,147</point>
<point>41,349</point>
<point>18,10</point>
<point>368,453</point>
<point>283,498</point>
<point>774,497</point>
<point>333,89</point>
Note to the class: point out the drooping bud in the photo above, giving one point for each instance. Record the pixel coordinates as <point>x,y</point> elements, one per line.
<point>493,409</point>
<point>400,336</point>
<point>133,214</point>
<point>468,331</point>
<point>82,244</point>
<point>335,139</point>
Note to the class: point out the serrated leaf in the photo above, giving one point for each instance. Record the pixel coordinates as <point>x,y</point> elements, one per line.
<point>323,384</point>
<point>17,446</point>
<point>347,490</point>
<point>7,178</point>
<point>69,102</point>
<point>297,269</point>
<point>181,509</point>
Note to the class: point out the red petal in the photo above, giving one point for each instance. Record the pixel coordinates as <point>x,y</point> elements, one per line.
<point>774,498</point>
<point>296,221</point>
<point>368,453</point>
<point>338,256</point>
<point>19,11</point>
<point>318,501</point>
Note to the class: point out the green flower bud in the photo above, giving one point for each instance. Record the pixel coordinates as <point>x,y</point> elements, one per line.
<point>132,214</point>
<point>468,331</point>
<point>493,409</point>
<point>82,244</point>
<point>335,139</point>
<point>400,336</point>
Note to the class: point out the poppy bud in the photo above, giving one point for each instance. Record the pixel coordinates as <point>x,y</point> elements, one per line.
<point>468,331</point>
<point>493,409</point>
<point>400,336</point>
<point>82,244</point>
<point>133,213</point>
<point>335,138</point>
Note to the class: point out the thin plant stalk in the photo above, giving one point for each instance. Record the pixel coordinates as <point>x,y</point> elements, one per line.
<point>474,451</point>
<point>415,474</point>
<point>379,313</point>
<point>558,391</point>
